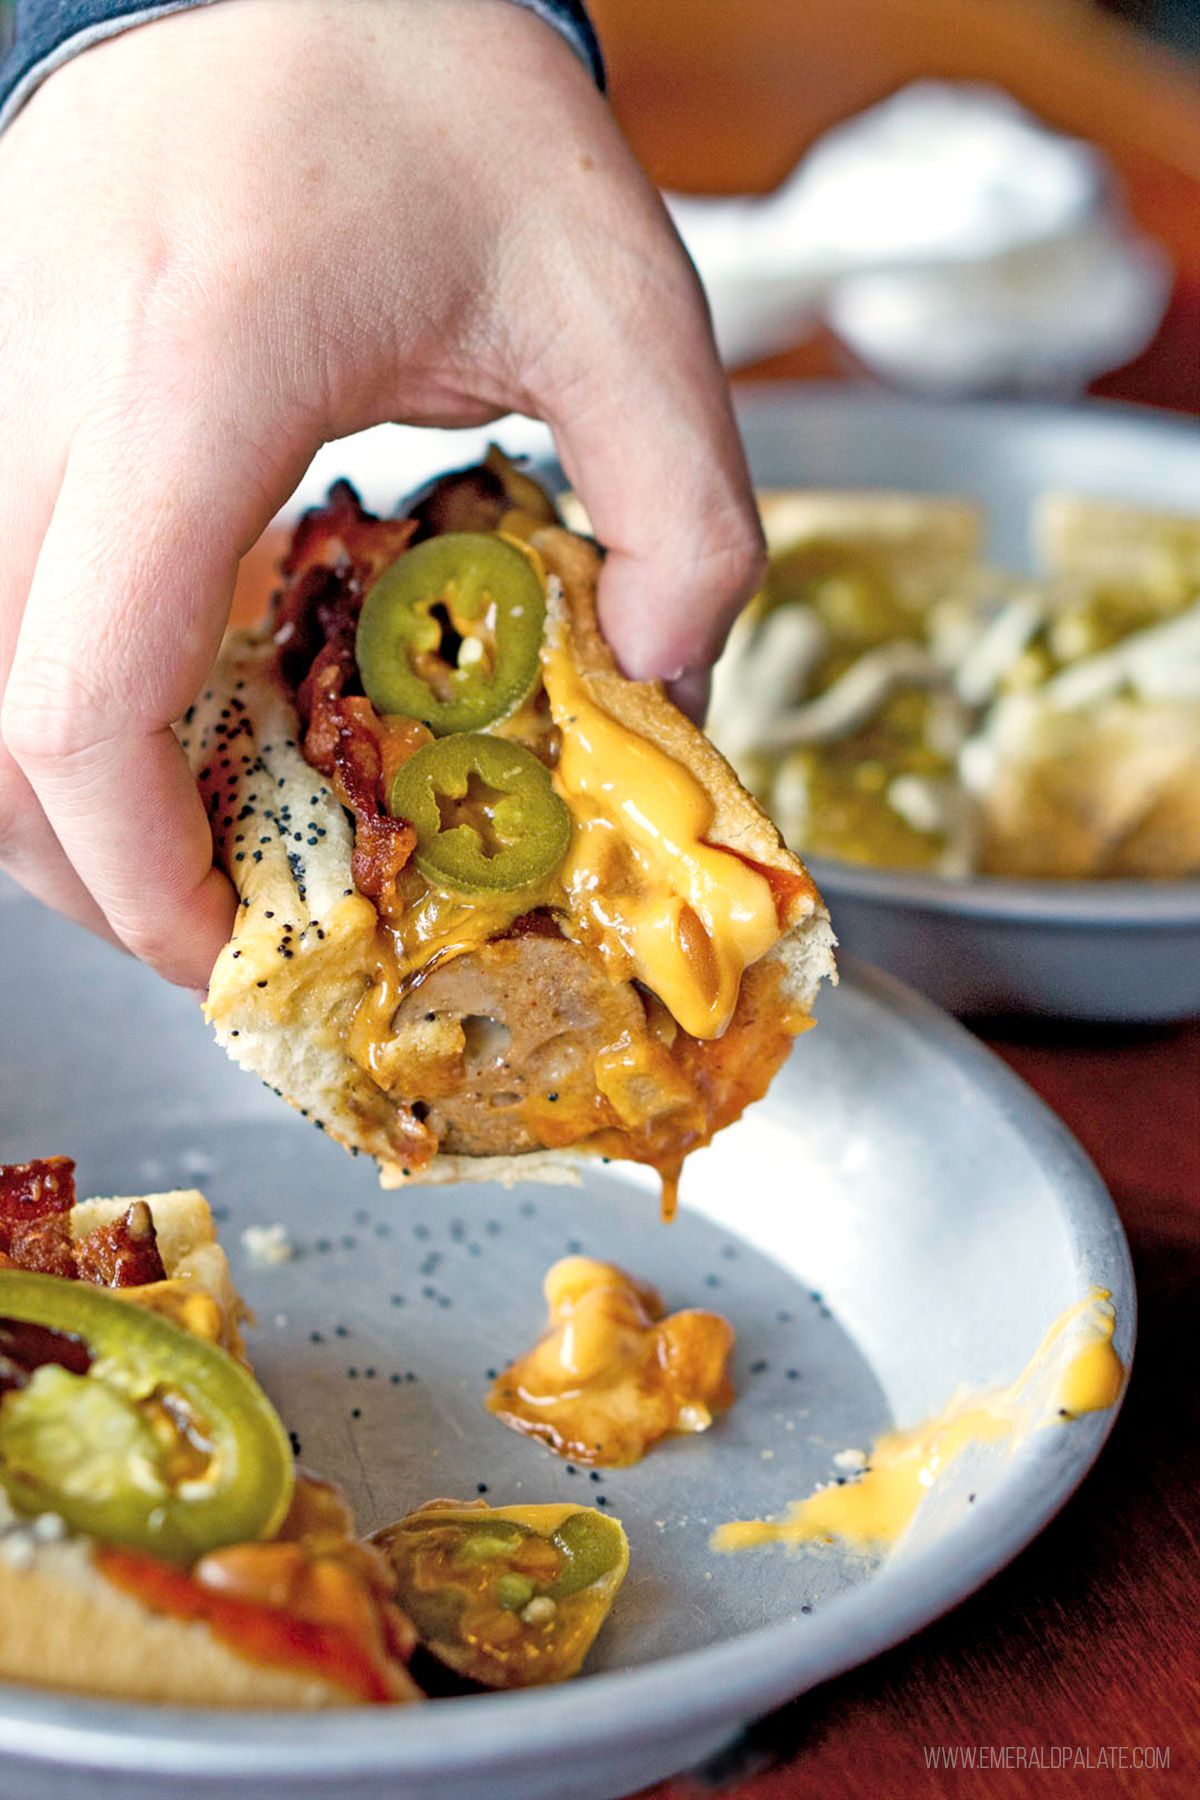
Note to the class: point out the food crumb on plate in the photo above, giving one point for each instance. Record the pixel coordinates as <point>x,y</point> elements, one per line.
<point>268,1243</point>
<point>850,1459</point>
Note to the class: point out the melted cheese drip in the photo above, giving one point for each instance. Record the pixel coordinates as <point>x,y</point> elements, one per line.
<point>613,1375</point>
<point>874,1510</point>
<point>369,1034</point>
<point>685,916</point>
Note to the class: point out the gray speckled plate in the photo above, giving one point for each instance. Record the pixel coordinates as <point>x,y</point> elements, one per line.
<point>899,1216</point>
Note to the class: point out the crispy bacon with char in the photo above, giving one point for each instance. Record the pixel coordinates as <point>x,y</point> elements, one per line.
<point>35,1230</point>
<point>338,552</point>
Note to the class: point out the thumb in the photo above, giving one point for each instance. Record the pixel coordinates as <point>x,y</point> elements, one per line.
<point>647,437</point>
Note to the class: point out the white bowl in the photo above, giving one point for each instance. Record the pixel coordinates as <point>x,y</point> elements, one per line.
<point>1121,951</point>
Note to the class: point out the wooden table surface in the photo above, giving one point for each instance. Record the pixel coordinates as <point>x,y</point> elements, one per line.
<point>1091,1639</point>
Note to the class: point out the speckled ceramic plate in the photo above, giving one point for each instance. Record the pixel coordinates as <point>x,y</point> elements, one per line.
<point>899,1216</point>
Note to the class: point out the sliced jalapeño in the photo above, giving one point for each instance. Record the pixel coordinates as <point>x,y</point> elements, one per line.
<point>130,1428</point>
<point>486,815</point>
<point>450,633</point>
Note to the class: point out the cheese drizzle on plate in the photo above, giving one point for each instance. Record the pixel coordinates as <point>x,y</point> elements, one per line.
<point>1075,1370</point>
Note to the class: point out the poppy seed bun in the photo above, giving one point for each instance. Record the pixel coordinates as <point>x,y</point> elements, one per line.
<point>286,988</point>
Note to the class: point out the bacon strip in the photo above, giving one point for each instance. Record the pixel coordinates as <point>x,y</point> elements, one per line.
<point>343,741</point>
<point>338,552</point>
<point>343,535</point>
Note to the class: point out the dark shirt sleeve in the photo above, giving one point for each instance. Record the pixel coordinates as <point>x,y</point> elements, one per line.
<point>50,32</point>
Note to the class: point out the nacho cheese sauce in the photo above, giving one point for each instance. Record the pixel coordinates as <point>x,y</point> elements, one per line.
<point>613,1375</point>
<point>873,1511</point>
<point>687,916</point>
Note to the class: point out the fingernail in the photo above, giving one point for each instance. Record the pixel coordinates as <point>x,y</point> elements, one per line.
<point>648,669</point>
<point>689,690</point>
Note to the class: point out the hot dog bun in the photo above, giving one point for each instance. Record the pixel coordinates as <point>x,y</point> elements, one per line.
<point>287,994</point>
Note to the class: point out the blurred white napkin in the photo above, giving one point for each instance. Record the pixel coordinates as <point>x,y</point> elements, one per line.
<point>953,241</point>
<point>950,238</point>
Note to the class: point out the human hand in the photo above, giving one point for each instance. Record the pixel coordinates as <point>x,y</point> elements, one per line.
<point>239,232</point>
